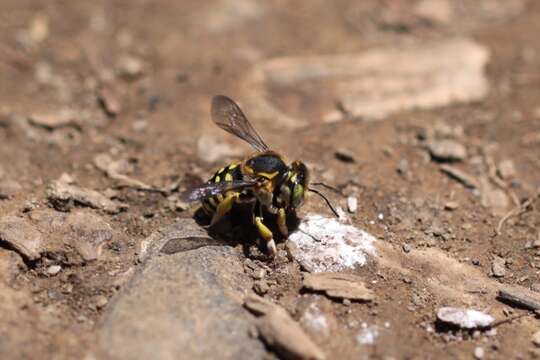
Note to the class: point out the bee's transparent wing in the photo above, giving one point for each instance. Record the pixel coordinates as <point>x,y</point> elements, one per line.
<point>207,190</point>
<point>228,116</point>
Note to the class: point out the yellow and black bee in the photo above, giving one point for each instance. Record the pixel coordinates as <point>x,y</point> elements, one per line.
<point>263,180</point>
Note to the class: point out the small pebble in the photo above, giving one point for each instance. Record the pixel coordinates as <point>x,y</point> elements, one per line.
<point>479,352</point>
<point>447,150</point>
<point>101,301</point>
<point>498,268</point>
<point>403,167</point>
<point>407,248</point>
<point>259,274</point>
<point>130,67</point>
<point>344,155</point>
<point>506,169</point>
<point>260,287</point>
<point>54,269</point>
<point>352,204</point>
<point>451,205</point>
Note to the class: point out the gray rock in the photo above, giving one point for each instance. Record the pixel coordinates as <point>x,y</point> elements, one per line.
<point>63,196</point>
<point>372,85</point>
<point>498,268</point>
<point>184,305</point>
<point>87,234</point>
<point>76,237</point>
<point>48,219</point>
<point>22,236</point>
<point>447,150</point>
<point>183,235</point>
<point>519,297</point>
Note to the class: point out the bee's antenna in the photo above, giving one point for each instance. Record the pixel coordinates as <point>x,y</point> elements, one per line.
<point>326,200</point>
<point>328,187</point>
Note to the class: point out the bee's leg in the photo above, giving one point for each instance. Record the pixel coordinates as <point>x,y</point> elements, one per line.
<point>267,236</point>
<point>282,222</point>
<point>224,207</point>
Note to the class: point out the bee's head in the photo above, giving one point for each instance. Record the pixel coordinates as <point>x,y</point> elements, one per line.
<point>295,185</point>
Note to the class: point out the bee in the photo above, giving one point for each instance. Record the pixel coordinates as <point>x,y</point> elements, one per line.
<point>263,180</point>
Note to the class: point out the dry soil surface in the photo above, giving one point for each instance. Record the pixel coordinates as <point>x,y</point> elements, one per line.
<point>426,112</point>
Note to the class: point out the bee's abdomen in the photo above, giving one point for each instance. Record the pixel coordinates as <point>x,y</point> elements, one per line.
<point>228,173</point>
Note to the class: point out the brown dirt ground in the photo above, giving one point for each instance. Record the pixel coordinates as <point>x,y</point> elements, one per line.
<point>184,65</point>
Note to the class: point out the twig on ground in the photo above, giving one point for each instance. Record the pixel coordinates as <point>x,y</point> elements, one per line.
<point>518,210</point>
<point>492,174</point>
<point>510,319</point>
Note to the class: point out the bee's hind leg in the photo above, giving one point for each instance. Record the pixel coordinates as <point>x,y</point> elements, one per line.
<point>224,207</point>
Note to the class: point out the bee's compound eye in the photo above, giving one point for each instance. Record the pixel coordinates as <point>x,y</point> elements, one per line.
<point>298,195</point>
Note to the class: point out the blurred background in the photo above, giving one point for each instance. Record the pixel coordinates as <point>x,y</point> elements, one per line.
<point>426,111</point>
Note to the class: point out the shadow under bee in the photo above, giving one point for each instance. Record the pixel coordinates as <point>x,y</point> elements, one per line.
<point>237,228</point>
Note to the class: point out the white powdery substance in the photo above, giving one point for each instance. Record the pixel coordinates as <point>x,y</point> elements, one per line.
<point>367,335</point>
<point>315,319</point>
<point>464,318</point>
<point>324,244</point>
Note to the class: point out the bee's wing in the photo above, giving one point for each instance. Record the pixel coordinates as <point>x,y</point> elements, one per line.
<point>228,116</point>
<point>207,190</point>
